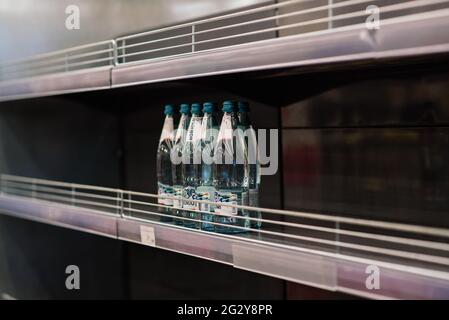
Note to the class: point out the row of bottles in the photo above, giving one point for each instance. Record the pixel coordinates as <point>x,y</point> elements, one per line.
<point>205,160</point>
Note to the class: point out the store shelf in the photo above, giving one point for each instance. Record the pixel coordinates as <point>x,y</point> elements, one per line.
<point>288,34</point>
<point>416,35</point>
<point>53,84</point>
<point>76,69</point>
<point>420,270</point>
<point>72,217</point>
<point>329,271</point>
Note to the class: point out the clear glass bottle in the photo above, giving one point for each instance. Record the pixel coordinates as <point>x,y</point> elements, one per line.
<point>206,189</point>
<point>230,174</point>
<point>176,161</point>
<point>253,162</point>
<point>163,165</point>
<point>191,169</point>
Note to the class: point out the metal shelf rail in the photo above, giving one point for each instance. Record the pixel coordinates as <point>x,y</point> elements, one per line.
<point>290,33</point>
<point>332,252</point>
<point>277,20</point>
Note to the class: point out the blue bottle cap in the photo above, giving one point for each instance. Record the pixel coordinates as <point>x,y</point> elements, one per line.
<point>184,108</point>
<point>228,106</point>
<point>243,106</point>
<point>169,110</point>
<point>196,108</point>
<point>209,107</point>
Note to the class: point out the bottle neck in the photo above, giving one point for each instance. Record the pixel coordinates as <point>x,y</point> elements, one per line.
<point>244,119</point>
<point>210,120</point>
<point>168,119</point>
<point>232,118</point>
<point>194,133</point>
<point>195,121</point>
<point>196,116</point>
<point>167,129</point>
<point>182,128</point>
<point>184,121</point>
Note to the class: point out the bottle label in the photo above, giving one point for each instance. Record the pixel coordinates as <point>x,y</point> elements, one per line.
<point>190,194</point>
<point>254,197</point>
<point>233,198</point>
<point>177,197</point>
<point>207,194</point>
<point>165,191</point>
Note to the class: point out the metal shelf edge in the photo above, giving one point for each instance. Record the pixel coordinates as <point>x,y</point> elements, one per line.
<point>53,84</point>
<point>268,54</point>
<point>393,40</point>
<point>77,218</point>
<point>321,271</point>
<point>330,272</point>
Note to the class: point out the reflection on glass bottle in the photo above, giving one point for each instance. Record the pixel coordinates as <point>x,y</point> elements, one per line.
<point>176,161</point>
<point>163,165</point>
<point>206,189</point>
<point>191,165</point>
<point>253,162</point>
<point>230,174</point>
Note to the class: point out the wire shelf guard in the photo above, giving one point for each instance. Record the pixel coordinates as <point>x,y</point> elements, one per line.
<point>269,21</point>
<point>257,23</point>
<point>326,251</point>
<point>99,54</point>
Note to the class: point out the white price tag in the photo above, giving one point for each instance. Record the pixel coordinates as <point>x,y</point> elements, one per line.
<point>147,236</point>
